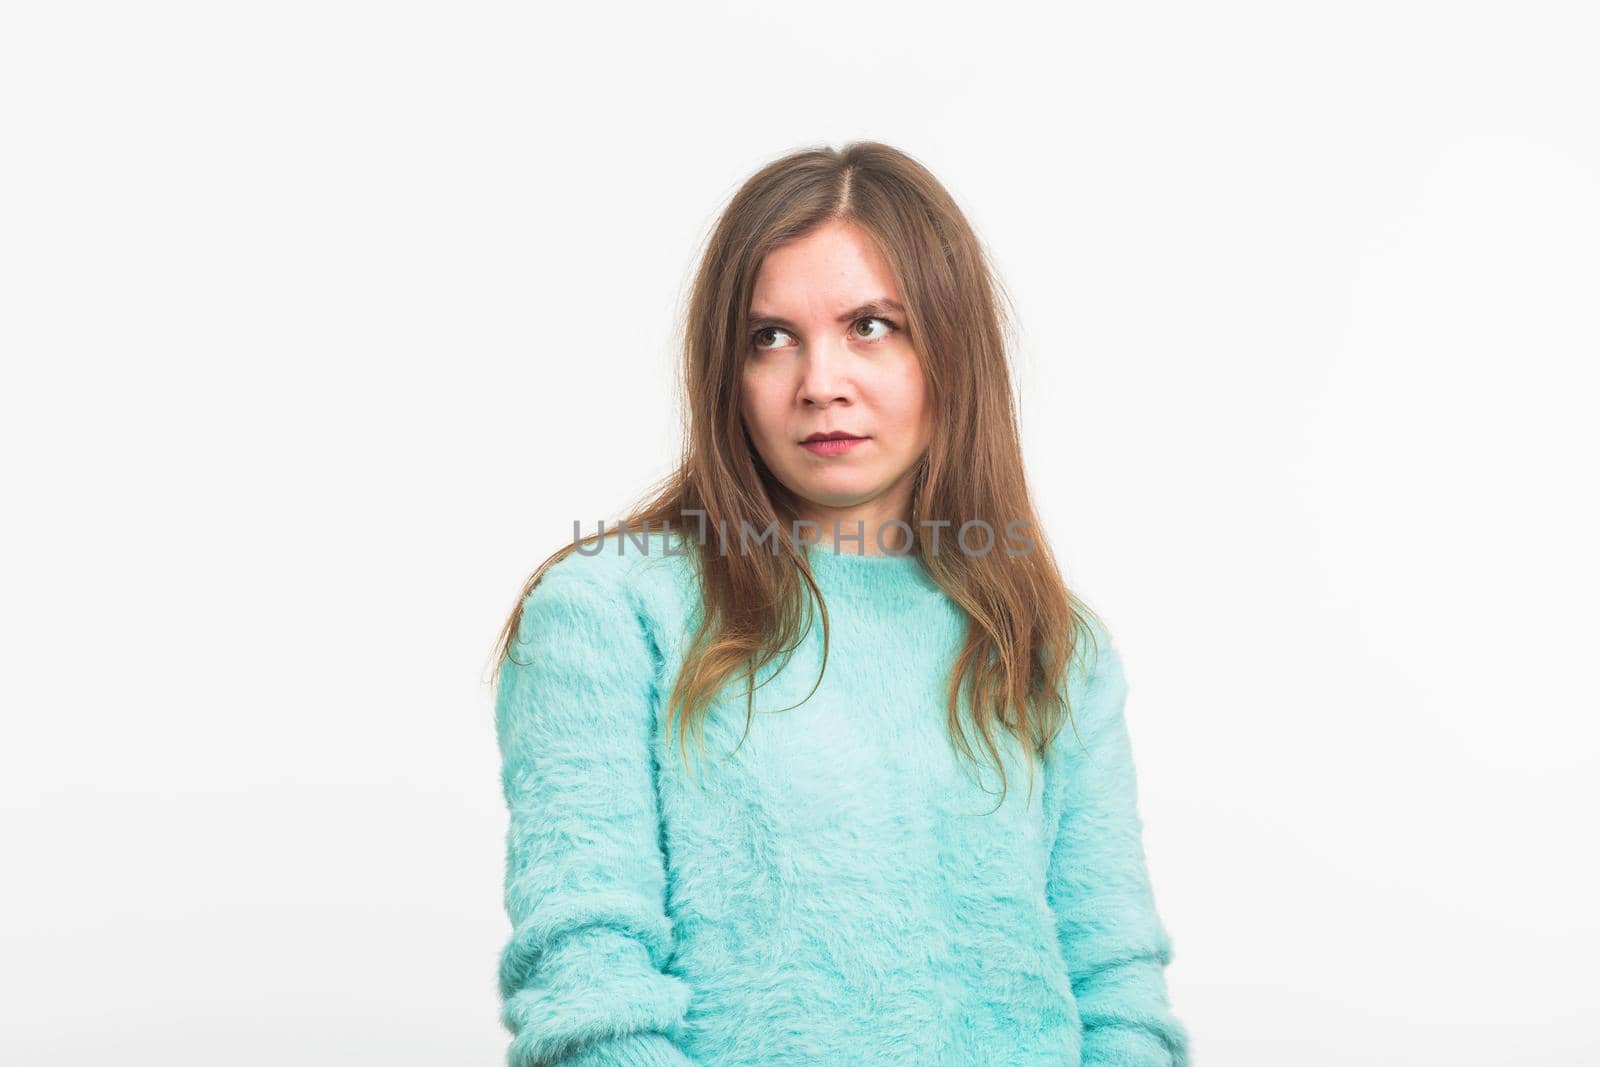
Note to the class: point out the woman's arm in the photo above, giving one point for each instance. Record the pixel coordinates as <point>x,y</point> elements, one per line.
<point>581,979</point>
<point>1115,944</point>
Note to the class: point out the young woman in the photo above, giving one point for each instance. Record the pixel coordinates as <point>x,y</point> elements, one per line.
<point>868,640</point>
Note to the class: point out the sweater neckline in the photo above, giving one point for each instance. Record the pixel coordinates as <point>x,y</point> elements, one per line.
<point>855,572</point>
<point>860,577</point>
<point>849,557</point>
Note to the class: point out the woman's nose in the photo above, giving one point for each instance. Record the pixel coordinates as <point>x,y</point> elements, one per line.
<point>825,380</point>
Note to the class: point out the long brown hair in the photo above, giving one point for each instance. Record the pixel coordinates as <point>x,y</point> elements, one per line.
<point>1024,625</point>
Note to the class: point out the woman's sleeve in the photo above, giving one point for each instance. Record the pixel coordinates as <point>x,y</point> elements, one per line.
<point>1115,944</point>
<point>582,979</point>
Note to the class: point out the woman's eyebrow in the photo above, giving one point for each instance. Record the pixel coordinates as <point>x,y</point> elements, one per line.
<point>871,307</point>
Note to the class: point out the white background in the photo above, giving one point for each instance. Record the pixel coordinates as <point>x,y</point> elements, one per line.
<point>320,323</point>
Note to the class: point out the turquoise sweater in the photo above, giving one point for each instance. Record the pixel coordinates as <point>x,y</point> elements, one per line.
<point>834,892</point>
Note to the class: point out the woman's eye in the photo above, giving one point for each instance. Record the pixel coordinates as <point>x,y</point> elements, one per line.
<point>767,337</point>
<point>890,328</point>
<point>756,340</point>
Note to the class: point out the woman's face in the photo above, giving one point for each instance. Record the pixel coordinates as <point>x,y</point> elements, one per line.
<point>828,352</point>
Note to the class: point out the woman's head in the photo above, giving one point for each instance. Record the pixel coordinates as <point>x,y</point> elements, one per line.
<point>829,352</point>
<point>778,343</point>
<point>800,238</point>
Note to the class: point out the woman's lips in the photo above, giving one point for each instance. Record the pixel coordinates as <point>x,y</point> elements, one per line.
<point>836,447</point>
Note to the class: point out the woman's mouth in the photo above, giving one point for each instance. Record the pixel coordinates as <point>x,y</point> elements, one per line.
<point>832,446</point>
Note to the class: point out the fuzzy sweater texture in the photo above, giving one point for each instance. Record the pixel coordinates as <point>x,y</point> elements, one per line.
<point>840,888</point>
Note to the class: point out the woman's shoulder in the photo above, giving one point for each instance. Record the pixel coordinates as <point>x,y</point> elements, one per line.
<point>640,574</point>
<point>618,560</point>
<point>1096,660</point>
<point>1096,688</point>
